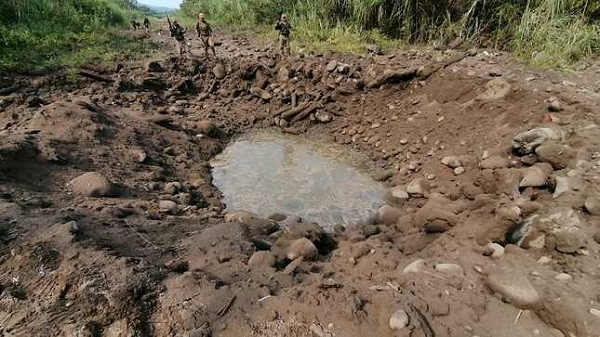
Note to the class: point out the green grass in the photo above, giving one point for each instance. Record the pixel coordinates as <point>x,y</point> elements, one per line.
<point>43,34</point>
<point>555,33</point>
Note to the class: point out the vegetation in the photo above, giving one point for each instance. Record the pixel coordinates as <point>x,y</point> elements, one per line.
<point>547,32</point>
<point>41,34</point>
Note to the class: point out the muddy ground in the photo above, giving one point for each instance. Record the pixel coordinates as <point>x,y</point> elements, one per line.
<point>109,224</point>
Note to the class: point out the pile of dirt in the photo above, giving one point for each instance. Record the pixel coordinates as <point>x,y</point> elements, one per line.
<point>110,226</point>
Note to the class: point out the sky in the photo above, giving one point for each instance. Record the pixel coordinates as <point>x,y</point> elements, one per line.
<point>162,3</point>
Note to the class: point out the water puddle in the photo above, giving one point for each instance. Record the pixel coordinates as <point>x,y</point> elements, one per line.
<point>267,172</point>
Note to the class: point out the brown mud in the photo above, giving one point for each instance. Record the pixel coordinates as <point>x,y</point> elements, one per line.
<point>488,231</point>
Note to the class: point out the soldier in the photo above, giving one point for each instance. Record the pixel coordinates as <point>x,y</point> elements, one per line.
<point>134,24</point>
<point>285,28</point>
<point>147,24</point>
<point>178,33</point>
<point>205,34</point>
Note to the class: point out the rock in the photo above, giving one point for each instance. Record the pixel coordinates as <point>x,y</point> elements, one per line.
<point>172,188</point>
<point>177,265</point>
<point>555,106</point>
<point>416,187</point>
<point>323,116</point>
<point>494,162</point>
<point>592,205</point>
<point>472,52</point>
<point>388,215</point>
<point>513,286</point>
<point>455,43</point>
<point>397,195</point>
<point>239,216</point>
<point>168,206</point>
<point>399,320</point>
<point>72,227</point>
<point>91,184</point>
<point>219,71</point>
<point>569,239</point>
<point>556,154</point>
<point>331,66</point>
<point>459,170</point>
<point>206,127</point>
<point>383,175</point>
<point>449,268</point>
<point>451,162</point>
<point>277,217</point>
<point>526,142</point>
<point>595,312</point>
<point>414,267</point>
<point>283,75</point>
<point>495,89</point>
<point>302,248</point>
<point>534,177</point>
<point>262,259</point>
<point>596,236</point>
<point>155,67</point>
<point>495,249</point>
<point>343,68</point>
<point>563,277</point>
<point>435,217</point>
<point>563,185</point>
<point>139,155</point>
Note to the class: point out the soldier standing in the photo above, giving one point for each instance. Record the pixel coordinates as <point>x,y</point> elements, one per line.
<point>178,33</point>
<point>205,33</point>
<point>147,24</point>
<point>285,28</point>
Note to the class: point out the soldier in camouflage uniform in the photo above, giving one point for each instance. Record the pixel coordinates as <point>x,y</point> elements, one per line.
<point>285,28</point>
<point>205,34</point>
<point>178,33</point>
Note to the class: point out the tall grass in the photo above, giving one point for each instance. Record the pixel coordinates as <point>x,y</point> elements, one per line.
<point>528,27</point>
<point>37,34</point>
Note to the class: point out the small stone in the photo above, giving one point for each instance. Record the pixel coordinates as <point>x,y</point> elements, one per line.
<point>449,268</point>
<point>399,320</point>
<point>415,187</point>
<point>388,215</point>
<point>403,141</point>
<point>73,227</point>
<point>177,265</point>
<point>544,260</point>
<point>91,184</point>
<point>414,267</point>
<point>592,205</point>
<point>206,127</point>
<point>302,248</point>
<point>219,71</point>
<point>569,239</point>
<point>399,193</point>
<point>563,277</point>
<point>459,170</point>
<point>496,249</point>
<point>262,259</point>
<point>556,154</point>
<point>514,286</point>
<point>168,206</point>
<point>172,188</point>
<point>494,162</point>
<point>277,217</point>
<point>595,312</point>
<point>451,162</point>
<point>555,106</point>
<point>139,155</point>
<point>331,66</point>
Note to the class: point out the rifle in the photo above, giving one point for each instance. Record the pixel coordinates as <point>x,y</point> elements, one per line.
<point>170,25</point>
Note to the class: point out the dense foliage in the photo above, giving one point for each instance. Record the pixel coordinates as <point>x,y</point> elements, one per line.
<point>532,28</point>
<point>37,34</point>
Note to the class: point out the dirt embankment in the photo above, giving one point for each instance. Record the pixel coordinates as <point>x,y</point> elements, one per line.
<point>109,224</point>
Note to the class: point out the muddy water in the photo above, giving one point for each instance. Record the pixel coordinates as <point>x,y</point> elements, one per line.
<point>267,172</point>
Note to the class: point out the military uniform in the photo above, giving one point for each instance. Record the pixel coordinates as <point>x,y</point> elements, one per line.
<point>204,33</point>
<point>284,28</point>
<point>179,34</point>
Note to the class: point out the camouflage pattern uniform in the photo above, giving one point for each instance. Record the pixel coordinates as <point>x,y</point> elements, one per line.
<point>284,28</point>
<point>179,34</point>
<point>204,33</point>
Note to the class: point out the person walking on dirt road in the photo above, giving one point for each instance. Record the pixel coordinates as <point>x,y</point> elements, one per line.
<point>147,24</point>
<point>285,28</point>
<point>205,33</point>
<point>178,33</point>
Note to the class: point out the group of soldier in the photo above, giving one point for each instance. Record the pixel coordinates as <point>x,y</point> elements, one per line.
<point>136,25</point>
<point>205,33</point>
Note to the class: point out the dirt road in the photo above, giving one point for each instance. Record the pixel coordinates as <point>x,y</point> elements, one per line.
<point>110,226</point>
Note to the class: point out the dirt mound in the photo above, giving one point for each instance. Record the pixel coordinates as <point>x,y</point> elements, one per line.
<point>491,227</point>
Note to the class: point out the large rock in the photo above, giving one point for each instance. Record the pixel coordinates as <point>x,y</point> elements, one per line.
<point>514,287</point>
<point>417,187</point>
<point>526,142</point>
<point>494,162</point>
<point>302,248</point>
<point>91,184</point>
<point>435,217</point>
<point>569,239</point>
<point>556,154</point>
<point>451,161</point>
